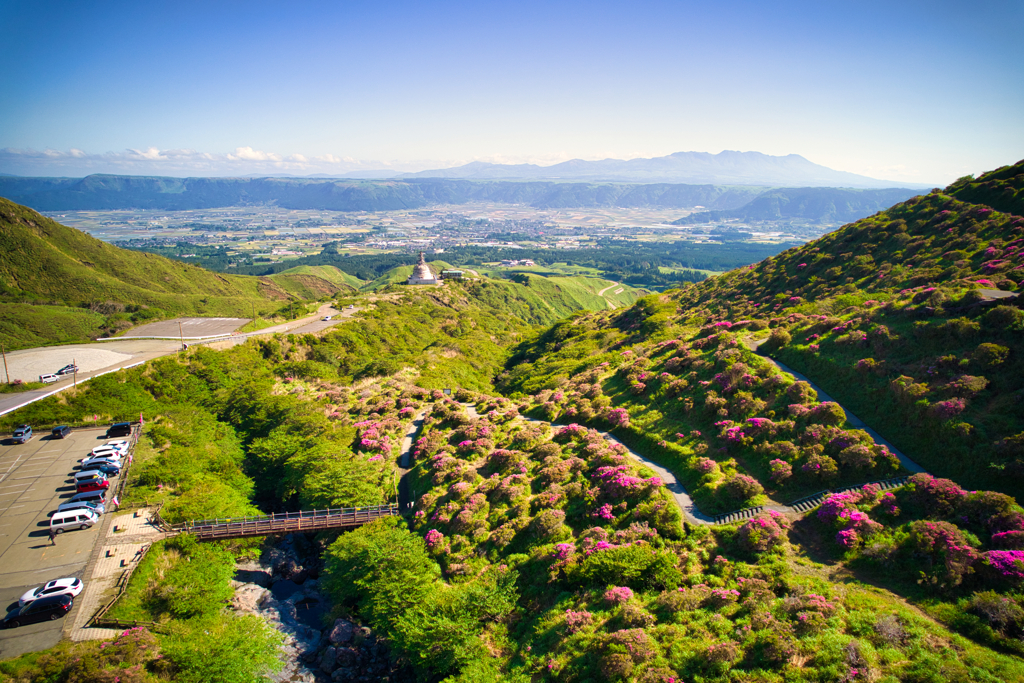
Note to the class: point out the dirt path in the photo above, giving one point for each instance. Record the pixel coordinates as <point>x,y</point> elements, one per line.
<point>614,284</point>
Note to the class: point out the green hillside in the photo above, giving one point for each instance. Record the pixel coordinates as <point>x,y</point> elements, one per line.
<point>90,287</point>
<point>539,548</point>
<point>579,292</point>
<point>315,282</point>
<point>897,316</point>
<point>331,274</point>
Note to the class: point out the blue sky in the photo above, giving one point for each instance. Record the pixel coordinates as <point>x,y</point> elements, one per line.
<point>915,91</point>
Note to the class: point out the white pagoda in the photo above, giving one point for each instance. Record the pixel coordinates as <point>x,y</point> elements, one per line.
<point>421,274</point>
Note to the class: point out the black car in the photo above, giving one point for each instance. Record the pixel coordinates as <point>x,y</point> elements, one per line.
<point>61,432</point>
<point>119,429</point>
<point>51,608</point>
<point>69,369</point>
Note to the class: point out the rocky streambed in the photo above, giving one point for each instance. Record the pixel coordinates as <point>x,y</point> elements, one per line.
<point>283,588</point>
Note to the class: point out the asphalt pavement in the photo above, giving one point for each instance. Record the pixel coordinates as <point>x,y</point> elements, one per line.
<point>34,479</point>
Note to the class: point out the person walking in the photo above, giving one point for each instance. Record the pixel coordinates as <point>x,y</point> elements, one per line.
<point>53,537</point>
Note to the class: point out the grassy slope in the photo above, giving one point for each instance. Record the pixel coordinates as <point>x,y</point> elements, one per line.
<point>329,273</point>
<point>581,292</point>
<point>43,262</point>
<point>28,325</point>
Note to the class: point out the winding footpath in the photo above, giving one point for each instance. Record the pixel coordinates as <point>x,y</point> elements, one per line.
<point>686,503</point>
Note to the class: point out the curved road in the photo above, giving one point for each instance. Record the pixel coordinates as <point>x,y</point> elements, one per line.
<point>119,353</point>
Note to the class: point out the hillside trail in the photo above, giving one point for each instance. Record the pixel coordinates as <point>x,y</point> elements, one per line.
<point>686,504</point>
<point>614,284</point>
<point>679,494</point>
<point>406,497</point>
<point>852,419</point>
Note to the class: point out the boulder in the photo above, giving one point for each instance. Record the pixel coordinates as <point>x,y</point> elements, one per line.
<point>248,598</point>
<point>330,658</point>
<point>342,632</point>
<point>347,656</point>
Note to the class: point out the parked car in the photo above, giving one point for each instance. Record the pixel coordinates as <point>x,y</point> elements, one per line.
<point>72,519</point>
<point>121,444</point>
<point>106,469</point>
<point>119,429</point>
<point>52,608</point>
<point>351,306</point>
<point>68,369</point>
<point>98,508</point>
<point>22,434</point>
<point>89,475</point>
<point>69,586</point>
<point>99,496</point>
<point>326,317</point>
<point>49,379</point>
<point>92,485</point>
<point>101,451</point>
<point>61,432</point>
<point>90,463</point>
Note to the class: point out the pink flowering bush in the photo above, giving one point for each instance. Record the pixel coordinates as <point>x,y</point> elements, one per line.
<point>949,556</point>
<point>764,532</point>
<point>1006,566</point>
<point>617,417</point>
<point>577,621</point>
<point>706,465</point>
<point>618,595</point>
<point>741,487</point>
<point>938,497</point>
<point>781,471</point>
<point>434,539</point>
<point>564,551</point>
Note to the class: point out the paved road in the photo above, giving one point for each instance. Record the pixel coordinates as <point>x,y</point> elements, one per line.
<point>103,357</point>
<point>191,328</point>
<point>34,479</point>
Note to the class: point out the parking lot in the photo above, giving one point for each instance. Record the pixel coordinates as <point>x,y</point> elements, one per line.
<point>34,479</point>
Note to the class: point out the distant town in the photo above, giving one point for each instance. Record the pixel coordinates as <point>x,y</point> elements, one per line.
<point>267,234</point>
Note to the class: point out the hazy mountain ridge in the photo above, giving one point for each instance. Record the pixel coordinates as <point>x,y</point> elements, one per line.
<point>105,192</point>
<point>819,204</point>
<point>726,168</point>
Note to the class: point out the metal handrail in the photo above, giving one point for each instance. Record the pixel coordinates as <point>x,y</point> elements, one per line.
<point>285,522</point>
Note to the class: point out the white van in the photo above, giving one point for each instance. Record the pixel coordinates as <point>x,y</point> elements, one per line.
<point>49,379</point>
<point>73,519</point>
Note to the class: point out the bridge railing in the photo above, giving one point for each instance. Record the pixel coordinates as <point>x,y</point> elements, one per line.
<point>284,522</point>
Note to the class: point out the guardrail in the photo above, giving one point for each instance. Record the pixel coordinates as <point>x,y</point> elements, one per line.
<point>281,523</point>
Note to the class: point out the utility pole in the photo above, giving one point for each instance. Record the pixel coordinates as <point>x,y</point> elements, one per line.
<point>3,347</point>
<point>181,336</point>
<point>253,315</point>
<point>74,363</point>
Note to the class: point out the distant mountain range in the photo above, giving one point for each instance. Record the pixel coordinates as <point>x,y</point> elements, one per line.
<point>107,192</point>
<point>725,168</point>
<point>815,204</point>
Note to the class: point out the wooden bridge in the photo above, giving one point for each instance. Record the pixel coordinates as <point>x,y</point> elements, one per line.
<point>281,523</point>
